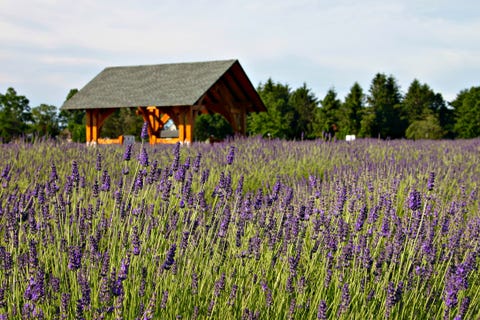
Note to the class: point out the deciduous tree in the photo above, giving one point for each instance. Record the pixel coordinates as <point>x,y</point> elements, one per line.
<point>467,112</point>
<point>45,120</point>
<point>15,115</point>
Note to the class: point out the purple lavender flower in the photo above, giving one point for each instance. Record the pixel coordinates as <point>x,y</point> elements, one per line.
<point>289,287</point>
<point>122,275</point>
<point>391,298</point>
<point>135,241</point>
<point>105,264</point>
<point>291,310</point>
<point>456,280</point>
<point>345,303</point>
<point>322,310</point>
<point>105,292</point>
<point>144,133</point>
<point>362,216</point>
<point>204,177</point>
<point>239,189</point>
<point>95,189</point>
<point>254,244</point>
<point>143,157</point>
<point>35,289</point>
<point>431,181</point>
<point>128,152</point>
<point>219,285</point>
<point>184,242</point>
<point>176,157</point>
<point>194,283</point>
<point>196,162</point>
<point>268,293</point>
<point>75,174</point>
<point>54,283</point>
<point>163,304</point>
<point>6,172</point>
<point>117,288</point>
<point>53,173</point>
<point>233,295</point>
<point>32,255</point>
<point>98,164</point>
<point>222,232</point>
<point>64,303</point>
<point>231,155</point>
<point>138,185</point>
<point>341,200</point>
<point>27,310</point>
<point>180,174</point>
<point>167,264</point>
<point>3,303</point>
<point>85,289</point>
<point>415,200</point>
<point>462,310</point>
<point>143,282</point>
<point>74,257</point>
<point>79,310</point>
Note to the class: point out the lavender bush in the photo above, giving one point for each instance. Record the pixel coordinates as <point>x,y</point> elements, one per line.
<point>246,229</point>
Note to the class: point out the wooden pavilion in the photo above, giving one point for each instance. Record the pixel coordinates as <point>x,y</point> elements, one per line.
<point>178,91</point>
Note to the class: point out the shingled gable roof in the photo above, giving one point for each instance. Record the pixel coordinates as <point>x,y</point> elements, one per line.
<point>162,85</point>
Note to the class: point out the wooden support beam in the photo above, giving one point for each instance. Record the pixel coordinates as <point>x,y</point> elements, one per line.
<point>156,119</point>
<point>181,123</point>
<point>95,121</point>
<point>189,124</point>
<point>89,125</point>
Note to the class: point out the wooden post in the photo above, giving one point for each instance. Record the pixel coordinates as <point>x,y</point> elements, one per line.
<point>95,126</point>
<point>189,125</point>
<point>181,125</point>
<point>154,125</point>
<point>95,120</point>
<point>89,126</point>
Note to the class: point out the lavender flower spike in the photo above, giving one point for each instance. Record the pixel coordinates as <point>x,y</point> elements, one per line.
<point>128,152</point>
<point>231,155</point>
<point>170,257</point>
<point>144,133</point>
<point>143,157</point>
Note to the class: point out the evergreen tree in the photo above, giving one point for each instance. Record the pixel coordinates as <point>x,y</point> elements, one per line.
<point>305,104</point>
<point>330,114</point>
<point>384,99</point>
<point>351,111</point>
<point>279,120</point>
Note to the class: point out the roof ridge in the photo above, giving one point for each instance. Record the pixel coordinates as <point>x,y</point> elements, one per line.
<point>173,63</point>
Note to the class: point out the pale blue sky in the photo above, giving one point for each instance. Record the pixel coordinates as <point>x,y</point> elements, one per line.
<point>50,46</point>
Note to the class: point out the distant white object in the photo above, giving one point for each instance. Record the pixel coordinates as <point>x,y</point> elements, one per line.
<point>128,139</point>
<point>350,137</point>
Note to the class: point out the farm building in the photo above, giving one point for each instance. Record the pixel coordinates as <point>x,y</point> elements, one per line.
<point>177,92</point>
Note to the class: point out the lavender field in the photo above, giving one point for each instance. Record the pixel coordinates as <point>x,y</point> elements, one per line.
<point>246,229</point>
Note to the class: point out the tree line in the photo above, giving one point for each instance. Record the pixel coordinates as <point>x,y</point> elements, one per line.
<point>382,112</point>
